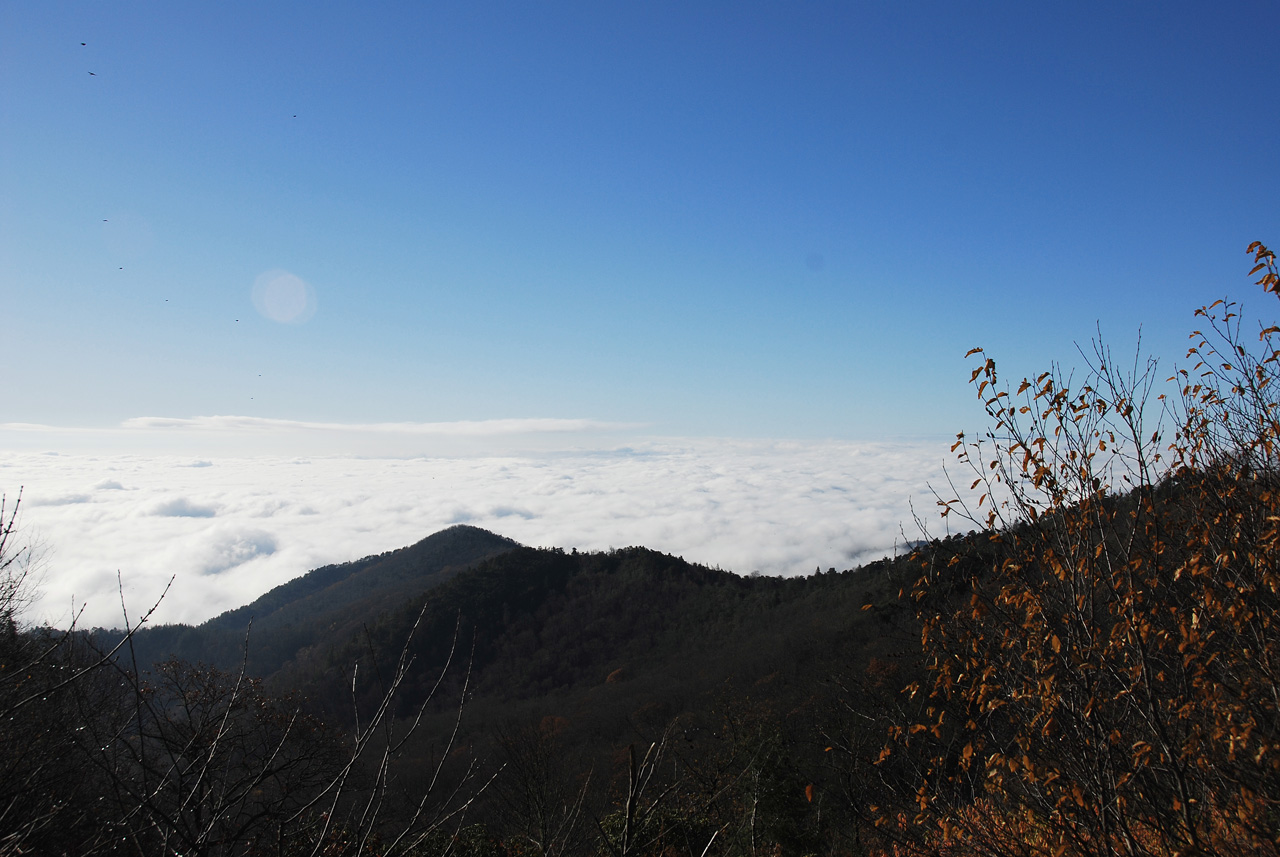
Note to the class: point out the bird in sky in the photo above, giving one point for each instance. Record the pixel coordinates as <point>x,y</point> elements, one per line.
<point>93,73</point>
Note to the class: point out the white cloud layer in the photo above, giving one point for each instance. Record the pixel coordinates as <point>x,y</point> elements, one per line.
<point>238,436</point>
<point>230,528</point>
<point>261,425</point>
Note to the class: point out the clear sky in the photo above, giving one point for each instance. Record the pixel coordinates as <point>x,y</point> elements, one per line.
<point>286,284</point>
<point>737,219</point>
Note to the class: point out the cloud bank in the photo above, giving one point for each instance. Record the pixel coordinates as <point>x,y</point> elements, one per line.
<point>239,436</point>
<point>230,528</point>
<point>476,428</point>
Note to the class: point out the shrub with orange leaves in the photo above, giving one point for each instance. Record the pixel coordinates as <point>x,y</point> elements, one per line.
<point>1104,656</point>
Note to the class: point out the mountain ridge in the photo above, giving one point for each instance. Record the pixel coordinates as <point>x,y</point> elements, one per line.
<point>330,600</point>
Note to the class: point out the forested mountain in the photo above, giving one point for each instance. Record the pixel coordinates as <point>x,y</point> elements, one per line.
<point>615,637</point>
<point>547,665</point>
<point>538,622</point>
<point>631,624</point>
<point>327,603</point>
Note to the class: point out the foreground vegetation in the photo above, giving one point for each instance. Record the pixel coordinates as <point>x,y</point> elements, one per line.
<point>1093,670</point>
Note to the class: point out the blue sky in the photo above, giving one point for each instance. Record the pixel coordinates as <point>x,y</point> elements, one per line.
<point>783,220</point>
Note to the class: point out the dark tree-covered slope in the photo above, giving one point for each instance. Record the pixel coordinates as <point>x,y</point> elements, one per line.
<point>612,634</point>
<point>326,604</point>
<point>592,652</point>
<point>572,657</point>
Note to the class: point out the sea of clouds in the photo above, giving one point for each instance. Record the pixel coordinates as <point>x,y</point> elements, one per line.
<point>227,528</point>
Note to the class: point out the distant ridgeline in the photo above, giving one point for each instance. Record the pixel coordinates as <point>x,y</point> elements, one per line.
<point>564,660</point>
<point>542,624</point>
<point>327,604</point>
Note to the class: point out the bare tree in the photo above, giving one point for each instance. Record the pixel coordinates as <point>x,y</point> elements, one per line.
<point>100,757</point>
<point>543,803</point>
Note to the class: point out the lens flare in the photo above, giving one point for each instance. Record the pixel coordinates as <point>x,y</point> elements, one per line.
<point>284,297</point>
